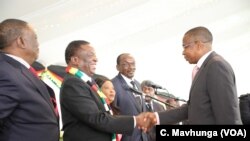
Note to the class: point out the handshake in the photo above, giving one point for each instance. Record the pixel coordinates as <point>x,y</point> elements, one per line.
<point>146,120</point>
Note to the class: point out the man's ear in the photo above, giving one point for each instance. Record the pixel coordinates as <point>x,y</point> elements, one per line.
<point>74,60</point>
<point>20,42</point>
<point>117,67</point>
<point>200,45</point>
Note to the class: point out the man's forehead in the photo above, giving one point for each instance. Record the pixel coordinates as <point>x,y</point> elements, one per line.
<point>88,49</point>
<point>128,59</point>
<point>147,87</point>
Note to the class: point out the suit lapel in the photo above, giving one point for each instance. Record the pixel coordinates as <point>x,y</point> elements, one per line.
<point>138,85</point>
<point>203,66</point>
<point>37,83</point>
<point>40,86</point>
<point>95,96</point>
<point>42,90</point>
<point>52,95</point>
<point>129,93</point>
<point>97,99</point>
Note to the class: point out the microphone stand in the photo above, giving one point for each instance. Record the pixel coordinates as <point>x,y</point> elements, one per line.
<point>142,94</point>
<point>177,99</point>
<point>166,96</point>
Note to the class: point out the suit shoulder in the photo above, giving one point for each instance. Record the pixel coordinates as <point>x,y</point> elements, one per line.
<point>70,80</point>
<point>6,69</point>
<point>216,62</point>
<point>115,79</point>
<point>245,96</point>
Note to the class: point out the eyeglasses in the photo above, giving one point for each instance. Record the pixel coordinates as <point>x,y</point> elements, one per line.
<point>127,65</point>
<point>188,44</point>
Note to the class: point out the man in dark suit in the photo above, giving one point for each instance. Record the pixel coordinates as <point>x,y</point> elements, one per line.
<point>128,102</point>
<point>245,108</point>
<point>27,112</point>
<point>152,105</point>
<point>213,96</point>
<point>85,114</point>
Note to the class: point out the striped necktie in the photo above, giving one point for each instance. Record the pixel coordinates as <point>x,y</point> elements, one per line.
<point>137,97</point>
<point>149,107</point>
<point>133,84</point>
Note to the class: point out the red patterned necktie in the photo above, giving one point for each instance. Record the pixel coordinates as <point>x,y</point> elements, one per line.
<point>33,71</point>
<point>53,100</point>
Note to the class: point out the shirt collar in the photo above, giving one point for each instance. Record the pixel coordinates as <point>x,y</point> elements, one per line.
<point>127,80</point>
<point>203,58</point>
<point>20,60</point>
<point>87,77</point>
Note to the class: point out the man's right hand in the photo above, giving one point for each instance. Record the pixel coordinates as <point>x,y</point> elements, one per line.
<point>145,121</point>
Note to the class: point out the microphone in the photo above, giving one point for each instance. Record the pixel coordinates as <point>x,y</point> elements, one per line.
<point>135,91</point>
<point>168,95</point>
<point>145,95</point>
<point>157,86</point>
<point>149,83</point>
<point>126,87</point>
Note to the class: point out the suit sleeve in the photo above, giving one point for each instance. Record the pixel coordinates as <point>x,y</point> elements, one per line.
<point>174,115</point>
<point>221,88</point>
<point>77,98</point>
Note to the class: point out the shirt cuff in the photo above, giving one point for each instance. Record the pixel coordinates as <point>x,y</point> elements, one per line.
<point>157,118</point>
<point>134,121</point>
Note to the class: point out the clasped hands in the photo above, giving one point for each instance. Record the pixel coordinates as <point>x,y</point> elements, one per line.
<point>146,120</point>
